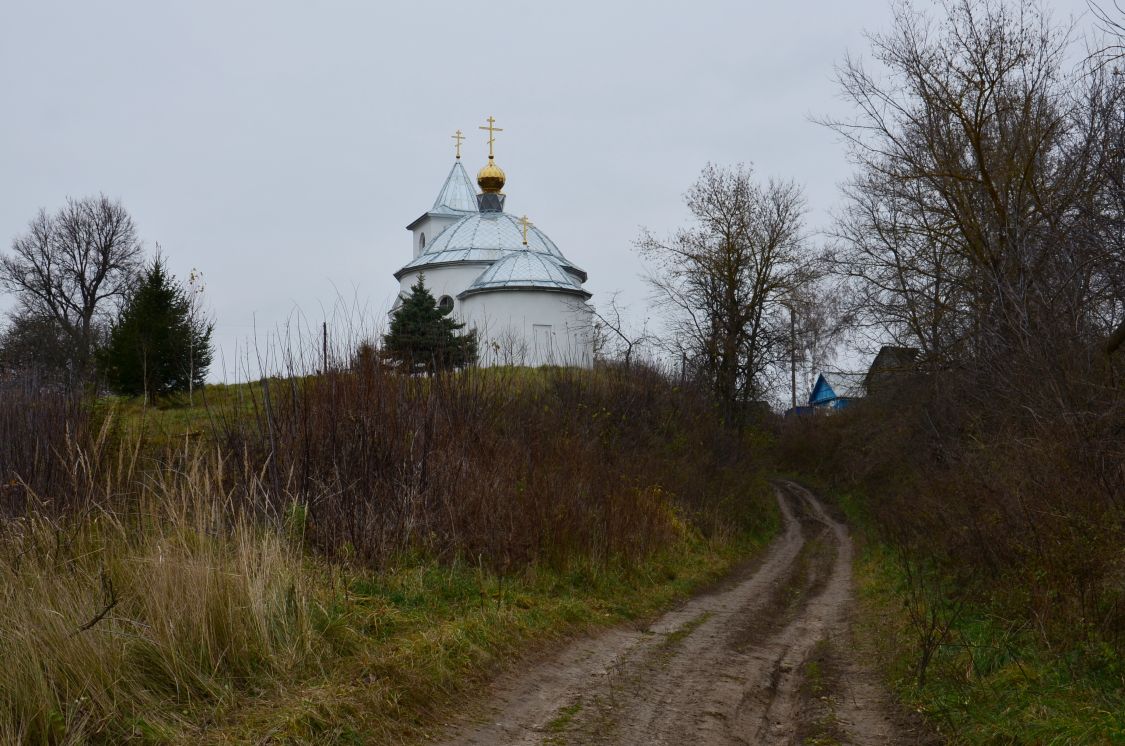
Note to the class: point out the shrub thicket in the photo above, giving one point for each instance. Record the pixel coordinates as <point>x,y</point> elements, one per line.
<point>1011,506</point>
<point>39,423</point>
<point>509,465</point>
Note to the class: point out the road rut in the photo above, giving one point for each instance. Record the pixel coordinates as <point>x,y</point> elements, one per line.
<point>767,658</point>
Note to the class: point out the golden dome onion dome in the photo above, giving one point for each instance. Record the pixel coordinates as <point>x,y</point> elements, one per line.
<point>491,178</point>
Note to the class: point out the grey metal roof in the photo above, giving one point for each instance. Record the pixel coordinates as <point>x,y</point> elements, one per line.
<point>453,256</point>
<point>458,194</point>
<point>498,231</point>
<point>574,269</point>
<point>526,269</point>
<point>494,238</point>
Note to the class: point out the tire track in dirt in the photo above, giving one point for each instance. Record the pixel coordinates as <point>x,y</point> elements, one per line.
<point>726,667</point>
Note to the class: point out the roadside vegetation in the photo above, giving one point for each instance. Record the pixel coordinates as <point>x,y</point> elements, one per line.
<point>990,562</point>
<point>332,552</point>
<point>982,235</point>
<point>332,557</point>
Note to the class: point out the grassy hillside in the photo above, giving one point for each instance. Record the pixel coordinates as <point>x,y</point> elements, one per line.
<point>335,559</point>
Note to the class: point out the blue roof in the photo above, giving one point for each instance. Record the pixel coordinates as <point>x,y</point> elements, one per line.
<point>832,386</point>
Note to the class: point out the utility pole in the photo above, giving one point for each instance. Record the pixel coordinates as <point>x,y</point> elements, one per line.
<point>793,352</point>
<point>324,348</point>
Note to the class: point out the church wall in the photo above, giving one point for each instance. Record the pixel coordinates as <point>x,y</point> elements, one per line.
<point>449,280</point>
<point>431,227</point>
<point>530,327</point>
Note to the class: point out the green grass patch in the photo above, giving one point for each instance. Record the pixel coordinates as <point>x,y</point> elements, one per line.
<point>173,419</point>
<point>677,636</point>
<point>409,641</point>
<point>814,677</point>
<point>993,681</point>
<point>562,721</point>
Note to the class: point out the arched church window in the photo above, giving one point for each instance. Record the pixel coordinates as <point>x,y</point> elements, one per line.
<point>421,240</point>
<point>445,303</point>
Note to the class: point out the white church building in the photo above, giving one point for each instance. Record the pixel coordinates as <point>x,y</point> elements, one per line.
<point>499,274</point>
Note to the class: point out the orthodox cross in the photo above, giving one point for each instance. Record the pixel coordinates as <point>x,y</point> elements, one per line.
<point>458,137</point>
<point>491,137</point>
<point>525,224</point>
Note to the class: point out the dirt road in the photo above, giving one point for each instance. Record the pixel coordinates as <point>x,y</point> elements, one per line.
<point>765,659</point>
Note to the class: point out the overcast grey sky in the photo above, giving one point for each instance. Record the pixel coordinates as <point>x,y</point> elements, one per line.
<point>281,147</point>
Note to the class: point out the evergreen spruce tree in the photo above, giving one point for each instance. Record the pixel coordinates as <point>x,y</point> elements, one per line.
<point>424,338</point>
<point>156,346</point>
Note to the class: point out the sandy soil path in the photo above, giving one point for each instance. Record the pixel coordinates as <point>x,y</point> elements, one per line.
<point>766,658</point>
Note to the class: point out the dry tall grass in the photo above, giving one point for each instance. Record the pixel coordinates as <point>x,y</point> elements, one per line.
<point>122,619</point>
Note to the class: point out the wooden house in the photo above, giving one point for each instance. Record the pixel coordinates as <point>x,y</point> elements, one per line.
<point>888,368</point>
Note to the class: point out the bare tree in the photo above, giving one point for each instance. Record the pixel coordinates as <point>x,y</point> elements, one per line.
<point>1105,98</point>
<point>723,281</point>
<point>984,226</point>
<point>196,318</point>
<point>69,264</point>
<point>1110,19</point>
<point>818,323</point>
<point>612,331</point>
<point>971,228</point>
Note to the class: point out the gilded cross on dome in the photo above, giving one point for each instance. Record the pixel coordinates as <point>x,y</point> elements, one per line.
<point>525,224</point>
<point>459,138</point>
<point>492,129</point>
